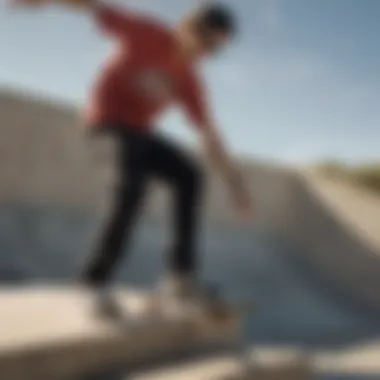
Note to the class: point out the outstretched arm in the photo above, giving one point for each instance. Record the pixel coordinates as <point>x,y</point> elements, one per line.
<point>113,20</point>
<point>221,159</point>
<point>90,5</point>
<point>211,138</point>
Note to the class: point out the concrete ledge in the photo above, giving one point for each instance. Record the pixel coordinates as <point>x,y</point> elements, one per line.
<point>49,333</point>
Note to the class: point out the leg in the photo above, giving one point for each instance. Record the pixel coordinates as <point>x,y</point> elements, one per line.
<point>132,160</point>
<point>184,176</point>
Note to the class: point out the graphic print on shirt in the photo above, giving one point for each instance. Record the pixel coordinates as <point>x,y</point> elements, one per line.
<point>155,84</point>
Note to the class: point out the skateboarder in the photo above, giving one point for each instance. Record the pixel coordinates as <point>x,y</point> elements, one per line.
<point>154,66</point>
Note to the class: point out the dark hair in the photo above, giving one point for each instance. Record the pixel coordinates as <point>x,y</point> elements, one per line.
<point>219,17</point>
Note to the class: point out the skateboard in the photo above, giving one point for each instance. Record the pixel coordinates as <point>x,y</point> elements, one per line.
<point>215,310</point>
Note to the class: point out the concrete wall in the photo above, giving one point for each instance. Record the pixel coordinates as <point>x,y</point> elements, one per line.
<point>45,158</point>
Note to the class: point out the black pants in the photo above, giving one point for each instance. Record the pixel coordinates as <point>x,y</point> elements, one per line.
<point>141,157</point>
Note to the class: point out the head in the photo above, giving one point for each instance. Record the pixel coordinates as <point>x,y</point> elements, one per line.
<point>207,30</point>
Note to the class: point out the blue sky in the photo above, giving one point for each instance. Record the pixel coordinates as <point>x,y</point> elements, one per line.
<point>301,83</point>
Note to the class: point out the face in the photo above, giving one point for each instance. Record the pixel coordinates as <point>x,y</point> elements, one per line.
<point>211,42</point>
<point>204,42</point>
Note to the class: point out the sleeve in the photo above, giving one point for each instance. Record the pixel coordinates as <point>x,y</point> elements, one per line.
<point>117,21</point>
<point>194,100</point>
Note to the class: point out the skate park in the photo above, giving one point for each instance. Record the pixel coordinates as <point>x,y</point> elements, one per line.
<point>310,263</point>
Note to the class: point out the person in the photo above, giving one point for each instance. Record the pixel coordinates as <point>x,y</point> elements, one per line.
<point>154,66</point>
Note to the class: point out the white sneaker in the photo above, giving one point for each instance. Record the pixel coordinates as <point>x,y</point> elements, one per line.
<point>106,305</point>
<point>186,289</point>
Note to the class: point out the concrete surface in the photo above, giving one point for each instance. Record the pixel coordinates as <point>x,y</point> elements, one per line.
<point>273,363</point>
<point>339,227</point>
<point>354,207</point>
<point>278,365</point>
<point>48,333</point>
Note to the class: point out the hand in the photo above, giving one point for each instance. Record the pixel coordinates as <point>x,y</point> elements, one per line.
<point>28,3</point>
<point>216,151</point>
<point>244,205</point>
<point>242,197</point>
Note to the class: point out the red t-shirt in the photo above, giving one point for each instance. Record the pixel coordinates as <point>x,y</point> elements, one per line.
<point>146,74</point>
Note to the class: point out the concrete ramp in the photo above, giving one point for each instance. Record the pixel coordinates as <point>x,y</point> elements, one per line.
<point>338,225</point>
<point>51,333</point>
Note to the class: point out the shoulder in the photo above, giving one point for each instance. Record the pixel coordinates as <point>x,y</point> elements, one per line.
<point>125,19</point>
<point>157,28</point>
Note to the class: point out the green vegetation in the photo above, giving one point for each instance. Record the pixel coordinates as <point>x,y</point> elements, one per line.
<point>366,176</point>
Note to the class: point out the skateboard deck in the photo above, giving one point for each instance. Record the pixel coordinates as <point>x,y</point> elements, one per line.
<point>218,311</point>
